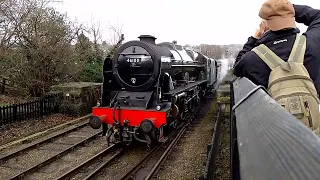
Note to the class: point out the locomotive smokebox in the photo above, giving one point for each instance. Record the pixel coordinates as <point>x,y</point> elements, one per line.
<point>148,39</point>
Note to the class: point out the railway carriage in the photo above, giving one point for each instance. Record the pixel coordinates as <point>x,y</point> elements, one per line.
<point>149,88</point>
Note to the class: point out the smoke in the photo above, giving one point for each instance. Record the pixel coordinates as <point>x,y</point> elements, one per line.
<point>223,70</point>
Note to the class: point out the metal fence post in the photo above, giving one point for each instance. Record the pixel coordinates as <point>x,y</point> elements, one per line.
<point>41,107</point>
<point>14,116</point>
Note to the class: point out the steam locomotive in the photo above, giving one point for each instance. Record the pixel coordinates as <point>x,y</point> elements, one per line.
<point>149,88</point>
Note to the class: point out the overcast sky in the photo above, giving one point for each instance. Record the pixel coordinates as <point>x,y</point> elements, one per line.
<point>187,21</point>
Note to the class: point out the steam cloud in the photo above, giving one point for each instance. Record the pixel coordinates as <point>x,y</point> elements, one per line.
<point>223,70</point>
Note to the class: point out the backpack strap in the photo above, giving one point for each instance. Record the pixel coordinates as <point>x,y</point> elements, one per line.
<point>267,56</point>
<point>298,49</point>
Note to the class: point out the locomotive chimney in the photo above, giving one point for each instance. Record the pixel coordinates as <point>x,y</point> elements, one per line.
<point>148,39</point>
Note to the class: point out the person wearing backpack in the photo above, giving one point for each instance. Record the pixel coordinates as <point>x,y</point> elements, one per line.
<point>285,62</point>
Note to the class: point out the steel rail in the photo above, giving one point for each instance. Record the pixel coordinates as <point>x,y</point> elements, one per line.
<point>37,144</point>
<point>90,161</point>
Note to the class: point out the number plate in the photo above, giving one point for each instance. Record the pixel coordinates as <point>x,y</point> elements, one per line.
<point>134,60</point>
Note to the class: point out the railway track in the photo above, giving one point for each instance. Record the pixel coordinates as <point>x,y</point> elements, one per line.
<point>32,161</point>
<point>148,167</point>
<point>80,153</point>
<point>92,166</point>
<point>41,142</point>
<point>151,163</point>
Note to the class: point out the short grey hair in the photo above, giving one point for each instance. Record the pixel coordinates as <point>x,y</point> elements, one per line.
<point>265,22</point>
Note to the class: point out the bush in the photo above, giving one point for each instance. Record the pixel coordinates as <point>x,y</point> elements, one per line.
<point>92,72</point>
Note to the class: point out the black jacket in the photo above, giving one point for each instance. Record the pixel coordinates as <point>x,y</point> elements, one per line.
<point>249,65</point>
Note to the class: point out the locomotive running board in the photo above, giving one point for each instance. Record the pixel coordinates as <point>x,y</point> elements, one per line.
<point>185,88</point>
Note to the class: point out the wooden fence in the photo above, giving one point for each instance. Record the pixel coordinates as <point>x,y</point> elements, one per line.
<point>29,110</point>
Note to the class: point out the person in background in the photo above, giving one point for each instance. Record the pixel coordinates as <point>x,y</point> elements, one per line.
<point>274,40</point>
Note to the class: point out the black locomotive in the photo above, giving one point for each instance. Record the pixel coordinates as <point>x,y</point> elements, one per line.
<point>149,87</point>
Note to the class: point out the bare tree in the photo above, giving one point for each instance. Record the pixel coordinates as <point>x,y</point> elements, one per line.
<point>42,41</point>
<point>40,47</point>
<point>13,13</point>
<point>212,51</point>
<point>115,34</point>
<point>96,32</point>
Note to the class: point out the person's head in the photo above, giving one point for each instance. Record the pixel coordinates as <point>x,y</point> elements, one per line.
<point>278,14</point>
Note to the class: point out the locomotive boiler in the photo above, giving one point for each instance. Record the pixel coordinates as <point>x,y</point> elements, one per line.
<point>149,88</point>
